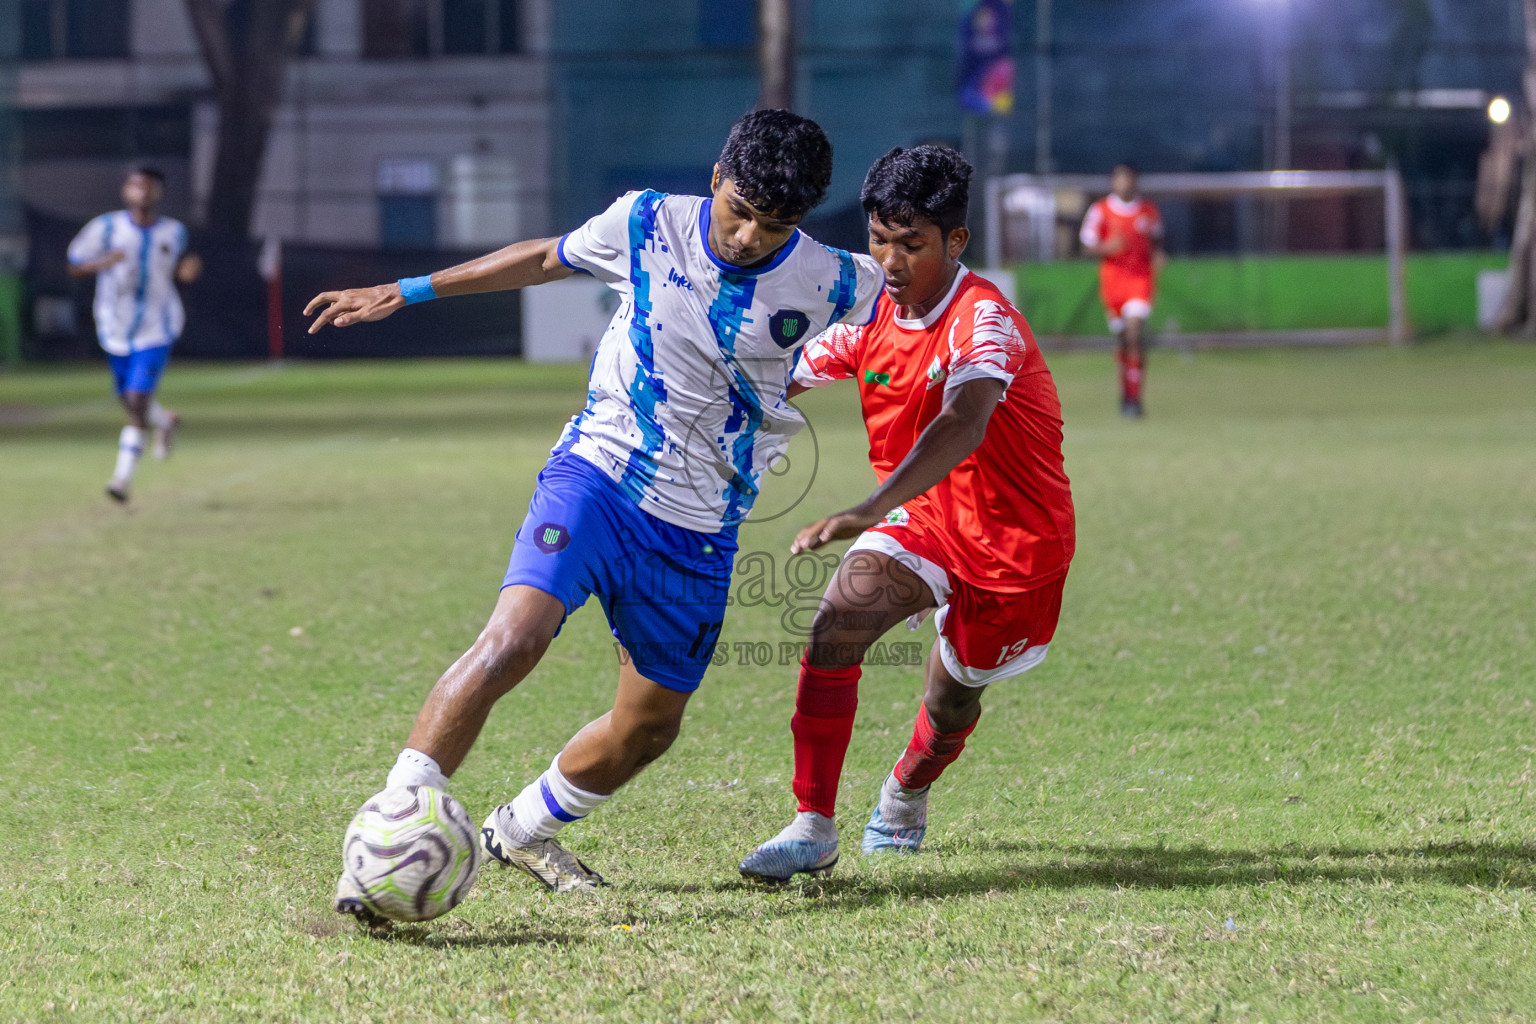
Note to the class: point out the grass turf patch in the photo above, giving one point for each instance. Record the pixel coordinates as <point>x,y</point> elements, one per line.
<point>1278,765</point>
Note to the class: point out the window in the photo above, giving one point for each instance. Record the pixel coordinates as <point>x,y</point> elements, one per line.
<point>56,29</point>
<point>407,188</point>
<point>118,133</point>
<point>728,24</point>
<point>407,222</point>
<point>433,28</point>
<point>480,26</point>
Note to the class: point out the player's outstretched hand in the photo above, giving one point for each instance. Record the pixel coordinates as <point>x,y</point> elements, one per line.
<point>354,306</point>
<point>838,527</point>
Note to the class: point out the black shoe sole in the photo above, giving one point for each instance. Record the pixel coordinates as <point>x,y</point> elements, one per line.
<point>353,907</point>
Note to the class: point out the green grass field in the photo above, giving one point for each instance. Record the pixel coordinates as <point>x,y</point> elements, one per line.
<point>1279,765</point>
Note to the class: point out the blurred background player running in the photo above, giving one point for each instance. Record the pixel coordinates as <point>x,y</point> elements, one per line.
<point>137,257</point>
<point>1126,231</point>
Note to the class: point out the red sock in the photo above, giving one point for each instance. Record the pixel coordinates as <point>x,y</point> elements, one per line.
<point>822,726</point>
<point>1130,377</point>
<point>930,751</point>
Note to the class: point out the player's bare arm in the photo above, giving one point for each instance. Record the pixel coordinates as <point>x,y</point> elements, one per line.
<point>954,434</point>
<point>189,268</point>
<point>520,265</point>
<point>92,267</point>
<point>1112,246</point>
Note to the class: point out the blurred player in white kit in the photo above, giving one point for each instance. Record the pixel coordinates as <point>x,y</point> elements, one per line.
<point>137,258</point>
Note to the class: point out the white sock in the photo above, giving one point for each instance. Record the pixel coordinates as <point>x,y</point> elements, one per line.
<point>903,807</point>
<point>130,445</point>
<point>158,417</point>
<point>809,827</point>
<point>413,768</point>
<point>546,805</point>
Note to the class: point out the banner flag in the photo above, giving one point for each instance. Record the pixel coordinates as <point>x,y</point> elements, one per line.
<point>986,58</point>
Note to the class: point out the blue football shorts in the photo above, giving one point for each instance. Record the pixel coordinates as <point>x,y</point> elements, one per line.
<point>141,370</point>
<point>663,587</point>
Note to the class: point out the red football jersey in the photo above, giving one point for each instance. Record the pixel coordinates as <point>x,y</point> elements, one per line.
<point>1005,513</point>
<point>1137,221</point>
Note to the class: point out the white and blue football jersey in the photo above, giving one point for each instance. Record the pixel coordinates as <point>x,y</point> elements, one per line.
<point>686,406</point>
<point>137,306</point>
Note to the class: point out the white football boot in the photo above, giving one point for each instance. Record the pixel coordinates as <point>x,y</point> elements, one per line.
<point>806,846</point>
<point>165,437</point>
<point>545,860</point>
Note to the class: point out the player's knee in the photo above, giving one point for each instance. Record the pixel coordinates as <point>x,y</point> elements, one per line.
<point>658,740</point>
<point>509,653</point>
<point>824,623</point>
<point>832,644</point>
<point>647,731</point>
<point>644,740</point>
<point>952,708</point>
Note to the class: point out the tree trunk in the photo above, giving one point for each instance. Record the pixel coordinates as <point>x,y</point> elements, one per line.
<point>1518,314</point>
<point>776,54</point>
<point>247,45</point>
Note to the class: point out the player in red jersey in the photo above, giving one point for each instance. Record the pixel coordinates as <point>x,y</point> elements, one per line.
<point>1127,232</point>
<point>972,515</point>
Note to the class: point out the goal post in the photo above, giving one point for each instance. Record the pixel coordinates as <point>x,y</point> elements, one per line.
<point>1033,218</point>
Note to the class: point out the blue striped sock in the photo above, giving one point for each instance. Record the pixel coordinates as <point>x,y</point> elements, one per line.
<point>550,802</point>
<point>130,445</point>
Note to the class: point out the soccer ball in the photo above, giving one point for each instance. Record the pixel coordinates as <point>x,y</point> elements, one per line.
<point>412,852</point>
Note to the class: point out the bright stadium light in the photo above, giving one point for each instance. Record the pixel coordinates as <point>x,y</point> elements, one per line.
<point>1279,32</point>
<point>1498,110</point>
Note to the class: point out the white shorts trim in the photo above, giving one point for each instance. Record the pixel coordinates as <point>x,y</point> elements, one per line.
<point>979,677</point>
<point>937,580</point>
<point>930,573</point>
<point>1131,309</point>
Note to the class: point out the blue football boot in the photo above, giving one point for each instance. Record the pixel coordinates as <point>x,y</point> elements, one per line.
<point>793,851</point>
<point>881,836</point>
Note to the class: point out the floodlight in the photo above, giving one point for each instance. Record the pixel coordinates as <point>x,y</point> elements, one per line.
<point>1498,110</point>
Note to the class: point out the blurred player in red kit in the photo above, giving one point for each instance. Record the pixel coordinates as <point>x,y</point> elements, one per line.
<point>1126,231</point>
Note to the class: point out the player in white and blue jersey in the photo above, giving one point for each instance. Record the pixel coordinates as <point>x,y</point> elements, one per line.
<point>642,495</point>
<point>137,258</point>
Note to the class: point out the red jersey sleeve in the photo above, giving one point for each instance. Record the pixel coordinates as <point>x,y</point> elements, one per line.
<point>830,356</point>
<point>986,341</point>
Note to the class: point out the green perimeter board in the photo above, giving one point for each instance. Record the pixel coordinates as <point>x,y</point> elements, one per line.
<point>10,317</point>
<point>1270,293</point>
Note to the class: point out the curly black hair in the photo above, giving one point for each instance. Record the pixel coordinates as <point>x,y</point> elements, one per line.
<point>781,162</point>
<point>925,182</point>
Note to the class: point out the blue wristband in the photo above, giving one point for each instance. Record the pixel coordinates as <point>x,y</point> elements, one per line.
<point>416,289</point>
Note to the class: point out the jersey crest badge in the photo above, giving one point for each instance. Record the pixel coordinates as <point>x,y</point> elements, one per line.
<point>897,516</point>
<point>936,372</point>
<point>551,538</point>
<point>789,327</point>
